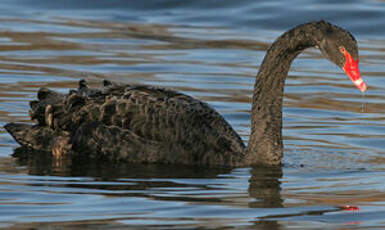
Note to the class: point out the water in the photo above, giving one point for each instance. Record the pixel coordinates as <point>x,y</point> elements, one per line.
<point>334,138</point>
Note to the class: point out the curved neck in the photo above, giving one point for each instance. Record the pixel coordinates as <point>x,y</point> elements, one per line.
<point>265,145</point>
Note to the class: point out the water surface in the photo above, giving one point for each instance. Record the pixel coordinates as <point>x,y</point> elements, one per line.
<point>333,135</point>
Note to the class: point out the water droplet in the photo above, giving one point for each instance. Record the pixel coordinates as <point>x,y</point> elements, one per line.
<point>363,103</point>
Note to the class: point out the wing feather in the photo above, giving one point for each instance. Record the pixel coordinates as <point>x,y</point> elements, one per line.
<point>160,125</point>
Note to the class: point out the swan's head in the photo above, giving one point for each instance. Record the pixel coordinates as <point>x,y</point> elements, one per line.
<point>340,47</point>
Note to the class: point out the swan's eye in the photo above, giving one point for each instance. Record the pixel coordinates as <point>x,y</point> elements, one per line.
<point>342,49</point>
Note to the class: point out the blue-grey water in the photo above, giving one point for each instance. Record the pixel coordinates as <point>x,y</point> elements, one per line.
<point>334,136</point>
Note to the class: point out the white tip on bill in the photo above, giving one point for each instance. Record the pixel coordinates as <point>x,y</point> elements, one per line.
<point>360,85</point>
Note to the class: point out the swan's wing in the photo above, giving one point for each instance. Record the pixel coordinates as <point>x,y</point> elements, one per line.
<point>154,114</point>
<point>157,114</point>
<point>150,123</point>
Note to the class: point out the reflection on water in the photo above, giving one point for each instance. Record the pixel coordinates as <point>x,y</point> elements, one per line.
<point>334,139</point>
<point>199,194</point>
<point>112,194</point>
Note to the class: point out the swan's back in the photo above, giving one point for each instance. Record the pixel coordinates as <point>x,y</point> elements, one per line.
<point>139,123</point>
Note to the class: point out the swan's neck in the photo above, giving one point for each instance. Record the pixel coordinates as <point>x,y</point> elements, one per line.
<point>265,145</point>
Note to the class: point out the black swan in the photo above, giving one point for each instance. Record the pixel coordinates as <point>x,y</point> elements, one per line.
<point>146,124</point>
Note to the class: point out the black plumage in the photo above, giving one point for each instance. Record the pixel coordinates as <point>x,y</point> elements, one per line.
<point>147,124</point>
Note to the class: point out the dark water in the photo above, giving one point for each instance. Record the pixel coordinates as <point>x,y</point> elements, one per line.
<point>334,136</point>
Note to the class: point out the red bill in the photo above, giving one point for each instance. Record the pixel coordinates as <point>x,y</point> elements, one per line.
<point>349,208</point>
<point>352,70</point>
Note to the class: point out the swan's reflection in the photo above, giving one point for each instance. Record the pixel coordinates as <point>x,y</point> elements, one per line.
<point>265,187</point>
<point>263,192</point>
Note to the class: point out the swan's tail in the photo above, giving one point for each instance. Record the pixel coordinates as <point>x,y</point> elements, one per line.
<point>56,116</point>
<point>32,136</point>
